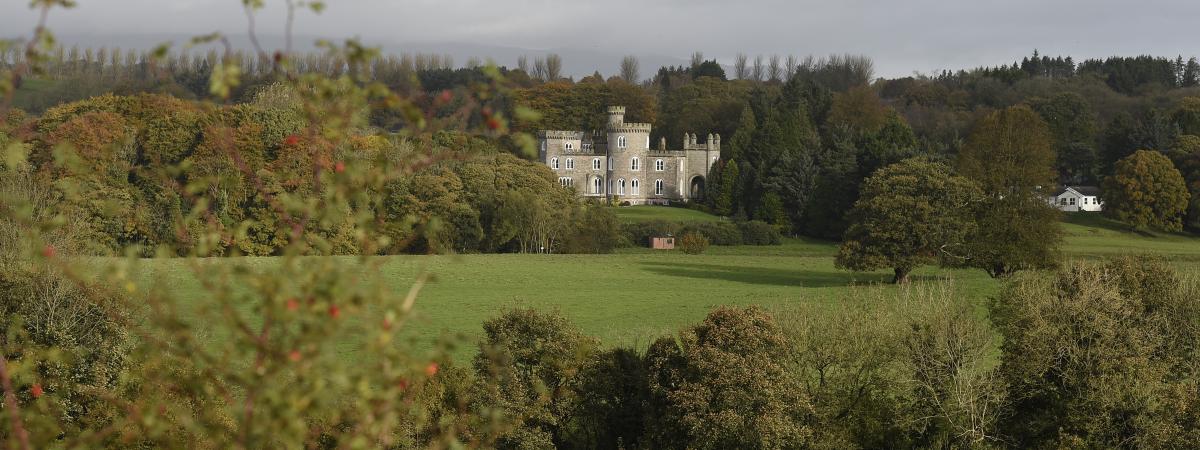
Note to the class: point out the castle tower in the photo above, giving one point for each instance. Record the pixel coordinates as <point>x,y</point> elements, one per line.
<point>616,116</point>
<point>628,152</point>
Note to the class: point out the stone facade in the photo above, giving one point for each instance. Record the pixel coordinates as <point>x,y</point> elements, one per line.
<point>618,163</point>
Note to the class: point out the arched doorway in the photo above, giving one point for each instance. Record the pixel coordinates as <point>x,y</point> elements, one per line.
<point>697,189</point>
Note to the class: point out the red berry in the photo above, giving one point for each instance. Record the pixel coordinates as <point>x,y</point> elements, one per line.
<point>403,384</point>
<point>493,123</point>
<point>291,140</point>
<point>294,355</point>
<point>339,167</point>
<point>431,369</point>
<point>36,390</point>
<point>292,304</point>
<point>49,251</point>
<point>387,324</point>
<point>445,97</point>
<point>334,311</point>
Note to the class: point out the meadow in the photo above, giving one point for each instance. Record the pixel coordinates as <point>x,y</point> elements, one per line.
<point>636,295</point>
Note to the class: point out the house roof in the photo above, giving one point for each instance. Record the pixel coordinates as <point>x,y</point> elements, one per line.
<point>1089,191</point>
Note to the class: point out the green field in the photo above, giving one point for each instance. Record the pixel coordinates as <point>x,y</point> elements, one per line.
<point>645,213</point>
<point>637,295</point>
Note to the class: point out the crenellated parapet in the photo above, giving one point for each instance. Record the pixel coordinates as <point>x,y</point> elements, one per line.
<point>629,128</point>
<point>667,153</point>
<point>560,134</point>
<point>691,142</point>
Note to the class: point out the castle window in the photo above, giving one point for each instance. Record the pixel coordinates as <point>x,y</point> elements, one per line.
<point>554,163</point>
<point>659,165</point>
<point>597,185</point>
<point>634,187</point>
<point>610,164</point>
<point>658,187</point>
<point>621,186</point>
<point>595,163</point>
<point>566,182</point>
<point>570,163</point>
<point>568,146</point>
<point>633,164</point>
<point>620,141</point>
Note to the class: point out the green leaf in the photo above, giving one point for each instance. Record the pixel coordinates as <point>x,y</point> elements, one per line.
<point>16,155</point>
<point>225,77</point>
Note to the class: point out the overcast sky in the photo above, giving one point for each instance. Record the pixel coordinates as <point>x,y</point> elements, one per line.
<point>902,36</point>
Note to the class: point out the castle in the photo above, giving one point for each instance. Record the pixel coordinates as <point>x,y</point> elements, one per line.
<point>618,163</point>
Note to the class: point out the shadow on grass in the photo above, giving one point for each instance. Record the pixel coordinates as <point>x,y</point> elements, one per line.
<point>1098,221</point>
<point>773,277</point>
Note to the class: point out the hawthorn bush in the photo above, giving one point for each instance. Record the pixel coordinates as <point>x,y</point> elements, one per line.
<point>693,243</point>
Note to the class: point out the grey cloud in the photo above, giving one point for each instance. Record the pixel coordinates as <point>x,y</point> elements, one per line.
<point>902,36</point>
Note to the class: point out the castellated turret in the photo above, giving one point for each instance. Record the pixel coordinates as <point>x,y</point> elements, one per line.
<point>616,115</point>
<point>628,150</point>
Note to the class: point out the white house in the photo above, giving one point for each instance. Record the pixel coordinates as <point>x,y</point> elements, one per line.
<point>1077,198</point>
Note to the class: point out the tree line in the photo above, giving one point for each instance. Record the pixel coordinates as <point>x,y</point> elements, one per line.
<point>109,159</point>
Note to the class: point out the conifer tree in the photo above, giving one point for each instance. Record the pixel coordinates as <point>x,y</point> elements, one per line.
<point>742,138</point>
<point>725,201</point>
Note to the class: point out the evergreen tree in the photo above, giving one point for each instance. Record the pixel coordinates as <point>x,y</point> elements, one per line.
<point>725,201</point>
<point>1073,128</point>
<point>835,189</point>
<point>742,138</point>
<point>1191,73</point>
<point>1120,140</point>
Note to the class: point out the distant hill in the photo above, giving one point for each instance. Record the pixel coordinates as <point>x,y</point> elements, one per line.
<point>577,62</point>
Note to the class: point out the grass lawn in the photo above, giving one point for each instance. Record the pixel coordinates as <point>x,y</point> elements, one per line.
<point>637,295</point>
<point>647,212</point>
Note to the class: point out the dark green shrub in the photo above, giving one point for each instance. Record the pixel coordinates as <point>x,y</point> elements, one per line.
<point>612,399</point>
<point>725,385</point>
<point>639,233</point>
<point>757,232</point>
<point>693,243</point>
<point>596,231</point>
<point>718,233</point>
<point>530,363</point>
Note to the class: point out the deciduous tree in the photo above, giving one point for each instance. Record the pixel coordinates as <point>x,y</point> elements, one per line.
<point>1147,191</point>
<point>910,214</point>
<point>1100,356</point>
<point>1010,154</point>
